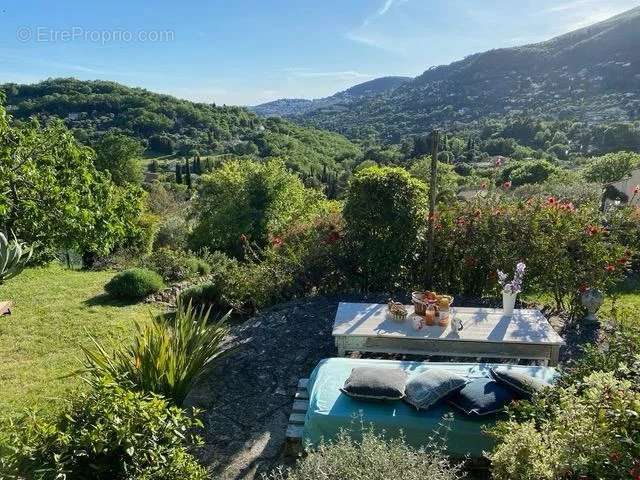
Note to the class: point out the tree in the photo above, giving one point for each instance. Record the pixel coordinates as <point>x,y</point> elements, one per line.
<point>250,200</point>
<point>611,167</point>
<point>178,173</point>
<point>384,214</point>
<point>532,171</point>
<point>56,199</point>
<point>120,156</point>
<point>447,178</point>
<point>187,173</point>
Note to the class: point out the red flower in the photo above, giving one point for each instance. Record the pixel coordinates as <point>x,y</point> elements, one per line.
<point>477,212</point>
<point>610,267</point>
<point>623,260</point>
<point>615,457</point>
<point>583,287</point>
<point>551,200</point>
<point>277,242</point>
<point>507,185</point>
<point>592,230</point>
<point>460,221</point>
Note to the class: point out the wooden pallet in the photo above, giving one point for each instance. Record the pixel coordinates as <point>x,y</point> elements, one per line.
<point>5,308</point>
<point>293,446</point>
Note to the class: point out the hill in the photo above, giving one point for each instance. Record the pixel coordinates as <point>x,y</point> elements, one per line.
<point>289,107</point>
<point>590,75</point>
<point>167,125</point>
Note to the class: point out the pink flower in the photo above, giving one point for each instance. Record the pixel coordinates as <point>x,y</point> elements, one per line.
<point>243,238</point>
<point>610,267</point>
<point>507,185</point>
<point>277,242</point>
<point>636,189</point>
<point>498,161</point>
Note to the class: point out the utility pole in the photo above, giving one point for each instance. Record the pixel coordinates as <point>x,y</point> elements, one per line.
<point>432,206</point>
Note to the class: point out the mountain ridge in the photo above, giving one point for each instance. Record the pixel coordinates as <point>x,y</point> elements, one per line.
<point>287,107</point>
<point>591,74</point>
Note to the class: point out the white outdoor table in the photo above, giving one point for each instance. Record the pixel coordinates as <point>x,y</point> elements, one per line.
<point>486,332</point>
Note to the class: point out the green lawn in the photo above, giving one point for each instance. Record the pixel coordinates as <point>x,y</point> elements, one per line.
<point>55,310</point>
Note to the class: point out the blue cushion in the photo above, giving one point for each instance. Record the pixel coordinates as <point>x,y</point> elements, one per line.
<point>482,396</point>
<point>427,388</point>
<point>522,384</point>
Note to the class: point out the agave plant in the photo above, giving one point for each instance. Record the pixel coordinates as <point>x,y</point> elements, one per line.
<point>13,257</point>
<point>167,356</point>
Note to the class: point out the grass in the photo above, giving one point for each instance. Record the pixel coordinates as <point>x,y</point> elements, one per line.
<point>54,310</point>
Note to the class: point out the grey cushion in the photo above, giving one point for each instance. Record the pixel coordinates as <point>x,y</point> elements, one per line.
<point>427,388</point>
<point>375,383</point>
<point>482,396</point>
<point>521,383</point>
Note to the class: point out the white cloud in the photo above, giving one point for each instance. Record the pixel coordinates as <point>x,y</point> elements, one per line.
<point>302,72</point>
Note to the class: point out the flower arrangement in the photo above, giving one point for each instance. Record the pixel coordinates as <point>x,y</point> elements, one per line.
<point>514,286</point>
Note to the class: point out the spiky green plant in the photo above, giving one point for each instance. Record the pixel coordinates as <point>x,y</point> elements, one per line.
<point>13,257</point>
<point>167,356</point>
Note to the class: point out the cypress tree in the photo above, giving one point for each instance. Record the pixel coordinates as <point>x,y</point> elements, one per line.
<point>178,173</point>
<point>187,172</point>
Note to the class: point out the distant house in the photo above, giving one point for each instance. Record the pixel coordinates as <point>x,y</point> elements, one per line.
<point>626,187</point>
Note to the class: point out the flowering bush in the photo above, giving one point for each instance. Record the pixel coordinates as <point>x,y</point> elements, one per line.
<point>566,248</point>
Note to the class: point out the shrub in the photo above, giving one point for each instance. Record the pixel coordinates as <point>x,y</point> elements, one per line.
<point>373,458</point>
<point>176,265</point>
<point>107,433</point>
<point>584,427</point>
<point>589,431</point>
<point>384,214</point>
<point>134,284</point>
<point>166,357</point>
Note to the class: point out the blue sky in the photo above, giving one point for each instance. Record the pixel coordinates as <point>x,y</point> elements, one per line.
<point>247,52</point>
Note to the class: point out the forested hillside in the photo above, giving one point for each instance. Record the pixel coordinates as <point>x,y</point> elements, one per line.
<point>169,126</point>
<point>591,75</point>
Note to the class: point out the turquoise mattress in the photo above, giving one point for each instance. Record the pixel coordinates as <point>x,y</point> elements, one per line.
<point>330,410</point>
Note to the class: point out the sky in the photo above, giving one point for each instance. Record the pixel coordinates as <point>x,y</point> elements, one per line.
<point>241,52</point>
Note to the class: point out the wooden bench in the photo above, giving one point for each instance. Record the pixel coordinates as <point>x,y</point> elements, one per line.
<point>5,308</point>
<point>293,446</point>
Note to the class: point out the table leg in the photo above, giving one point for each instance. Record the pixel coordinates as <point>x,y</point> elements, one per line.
<point>555,356</point>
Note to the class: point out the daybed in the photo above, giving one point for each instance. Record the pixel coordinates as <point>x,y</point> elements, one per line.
<point>330,410</point>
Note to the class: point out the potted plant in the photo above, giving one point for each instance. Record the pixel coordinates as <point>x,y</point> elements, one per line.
<point>510,289</point>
